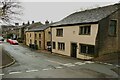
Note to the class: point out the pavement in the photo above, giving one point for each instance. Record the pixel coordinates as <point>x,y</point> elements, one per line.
<point>6,59</point>
<point>33,64</point>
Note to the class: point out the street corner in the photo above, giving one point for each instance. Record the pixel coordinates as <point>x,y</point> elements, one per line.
<point>6,60</point>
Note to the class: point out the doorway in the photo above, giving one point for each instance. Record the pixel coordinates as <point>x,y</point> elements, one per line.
<point>74,50</point>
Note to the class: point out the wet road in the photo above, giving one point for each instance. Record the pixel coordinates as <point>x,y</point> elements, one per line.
<point>31,64</point>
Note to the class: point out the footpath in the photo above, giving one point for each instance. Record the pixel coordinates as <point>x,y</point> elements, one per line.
<point>5,59</point>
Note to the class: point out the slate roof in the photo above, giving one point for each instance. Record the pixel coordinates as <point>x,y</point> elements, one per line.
<point>23,26</point>
<point>34,25</point>
<point>88,16</point>
<point>39,28</point>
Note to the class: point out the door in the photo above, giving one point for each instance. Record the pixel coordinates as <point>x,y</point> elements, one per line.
<point>73,50</point>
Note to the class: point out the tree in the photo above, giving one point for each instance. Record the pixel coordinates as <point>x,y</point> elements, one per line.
<point>10,10</point>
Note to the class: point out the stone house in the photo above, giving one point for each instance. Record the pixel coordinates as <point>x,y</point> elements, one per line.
<point>87,34</point>
<point>40,36</point>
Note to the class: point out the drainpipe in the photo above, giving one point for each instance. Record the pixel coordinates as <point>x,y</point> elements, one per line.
<point>51,38</point>
<point>44,38</point>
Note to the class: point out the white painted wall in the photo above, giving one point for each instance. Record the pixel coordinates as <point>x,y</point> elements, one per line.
<point>71,34</point>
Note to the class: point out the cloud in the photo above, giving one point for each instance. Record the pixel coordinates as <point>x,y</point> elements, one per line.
<point>69,0</point>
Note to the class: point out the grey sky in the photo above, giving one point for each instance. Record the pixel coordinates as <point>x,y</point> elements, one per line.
<point>54,11</point>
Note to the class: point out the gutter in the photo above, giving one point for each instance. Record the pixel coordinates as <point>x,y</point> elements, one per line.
<point>65,25</point>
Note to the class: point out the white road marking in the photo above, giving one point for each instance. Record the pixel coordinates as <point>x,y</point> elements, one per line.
<point>69,64</point>
<point>1,74</point>
<point>80,63</point>
<point>15,72</point>
<point>109,64</point>
<point>117,66</point>
<point>55,62</point>
<point>101,62</point>
<point>105,63</point>
<point>89,62</point>
<point>32,71</point>
<point>46,69</point>
<point>59,67</point>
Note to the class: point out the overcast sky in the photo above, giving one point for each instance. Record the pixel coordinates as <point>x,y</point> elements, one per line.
<point>55,10</point>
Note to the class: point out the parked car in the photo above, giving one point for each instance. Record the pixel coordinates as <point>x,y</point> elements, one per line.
<point>9,40</point>
<point>0,42</point>
<point>14,42</point>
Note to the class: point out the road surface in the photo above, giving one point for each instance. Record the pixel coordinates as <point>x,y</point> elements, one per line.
<point>33,64</point>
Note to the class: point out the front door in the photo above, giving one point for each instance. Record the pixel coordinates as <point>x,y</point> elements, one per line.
<point>73,50</point>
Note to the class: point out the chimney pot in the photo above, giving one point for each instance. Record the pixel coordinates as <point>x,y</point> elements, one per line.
<point>28,23</point>
<point>32,22</point>
<point>16,24</point>
<point>46,22</point>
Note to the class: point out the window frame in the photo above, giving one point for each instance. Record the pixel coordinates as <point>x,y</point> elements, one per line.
<point>39,36</point>
<point>35,35</point>
<point>48,43</point>
<point>61,46</point>
<point>30,34</point>
<point>40,44</point>
<point>85,30</point>
<point>35,42</point>
<point>87,46</point>
<point>115,32</point>
<point>53,45</point>
<point>58,32</point>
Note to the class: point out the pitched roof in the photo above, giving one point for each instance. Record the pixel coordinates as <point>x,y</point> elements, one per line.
<point>88,16</point>
<point>25,25</point>
<point>34,25</point>
<point>39,28</point>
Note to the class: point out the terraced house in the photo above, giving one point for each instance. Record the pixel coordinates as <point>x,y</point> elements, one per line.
<point>88,33</point>
<point>40,36</point>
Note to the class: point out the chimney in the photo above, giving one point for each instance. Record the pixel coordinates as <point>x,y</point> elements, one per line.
<point>16,24</point>
<point>46,22</point>
<point>28,23</point>
<point>23,23</point>
<point>32,22</point>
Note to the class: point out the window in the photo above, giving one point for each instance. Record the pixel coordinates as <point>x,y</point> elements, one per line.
<point>88,49</point>
<point>54,45</point>
<point>48,43</point>
<point>35,36</point>
<point>112,27</point>
<point>35,41</point>
<point>84,30</point>
<point>30,34</point>
<point>27,34</point>
<point>61,46</point>
<point>59,32</point>
<point>30,41</point>
<point>39,44</point>
<point>39,36</point>
<point>49,32</point>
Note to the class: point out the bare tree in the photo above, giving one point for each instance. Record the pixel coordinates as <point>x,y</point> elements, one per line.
<point>10,10</point>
